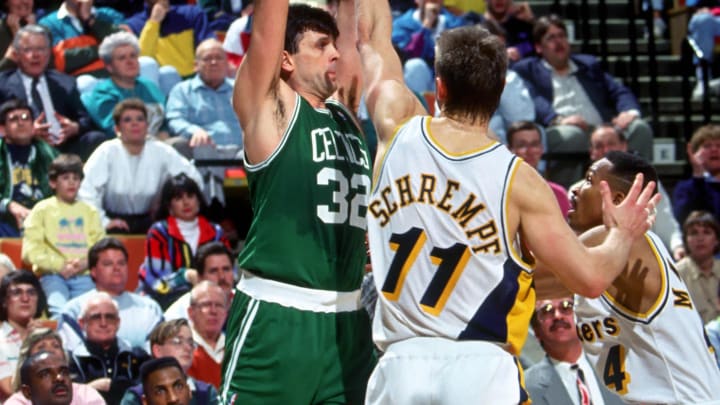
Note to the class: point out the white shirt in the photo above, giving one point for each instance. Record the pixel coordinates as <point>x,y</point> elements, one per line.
<point>569,378</point>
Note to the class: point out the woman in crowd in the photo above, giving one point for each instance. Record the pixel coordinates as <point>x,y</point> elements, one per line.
<point>47,340</point>
<point>173,240</point>
<point>700,269</point>
<point>23,303</point>
<point>122,175</point>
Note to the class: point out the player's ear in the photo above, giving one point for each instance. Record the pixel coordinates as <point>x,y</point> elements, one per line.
<point>288,64</point>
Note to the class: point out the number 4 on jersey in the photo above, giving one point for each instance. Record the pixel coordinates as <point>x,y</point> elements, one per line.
<point>614,375</point>
<point>450,264</point>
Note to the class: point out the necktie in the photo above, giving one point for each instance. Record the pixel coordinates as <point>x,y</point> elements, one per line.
<point>583,389</point>
<point>36,100</point>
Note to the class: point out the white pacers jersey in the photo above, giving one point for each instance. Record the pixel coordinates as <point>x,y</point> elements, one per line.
<point>441,257</point>
<point>658,357</point>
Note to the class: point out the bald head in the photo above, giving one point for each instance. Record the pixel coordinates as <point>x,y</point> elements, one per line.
<point>211,62</point>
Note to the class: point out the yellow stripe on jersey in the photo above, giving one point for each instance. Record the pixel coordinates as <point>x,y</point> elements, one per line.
<point>381,163</point>
<point>406,265</point>
<point>518,318</point>
<point>450,286</point>
<point>445,151</point>
<point>514,254</point>
<point>658,300</point>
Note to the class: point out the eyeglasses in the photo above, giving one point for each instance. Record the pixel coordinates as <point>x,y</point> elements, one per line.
<point>212,58</point>
<point>17,292</point>
<point>548,310</point>
<point>18,117</point>
<point>139,118</point>
<point>206,305</point>
<point>34,49</point>
<point>109,317</point>
<point>178,341</point>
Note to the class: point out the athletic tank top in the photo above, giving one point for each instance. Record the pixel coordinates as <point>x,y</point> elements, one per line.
<point>442,260</point>
<point>309,200</point>
<point>658,357</point>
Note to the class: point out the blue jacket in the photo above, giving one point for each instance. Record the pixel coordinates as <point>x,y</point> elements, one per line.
<point>414,40</point>
<point>696,193</point>
<point>607,95</point>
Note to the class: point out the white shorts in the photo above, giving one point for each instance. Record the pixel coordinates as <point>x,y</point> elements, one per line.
<point>423,370</point>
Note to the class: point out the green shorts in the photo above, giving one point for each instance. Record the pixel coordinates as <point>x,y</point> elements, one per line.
<point>281,355</point>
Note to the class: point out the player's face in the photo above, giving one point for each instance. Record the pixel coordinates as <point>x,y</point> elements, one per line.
<point>316,63</point>
<point>527,145</point>
<point>604,140</point>
<point>554,47</point>
<point>66,186</point>
<point>701,241</point>
<point>124,62</point>
<point>585,199</point>
<point>556,321</point>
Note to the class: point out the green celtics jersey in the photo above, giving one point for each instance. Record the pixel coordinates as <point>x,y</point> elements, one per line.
<point>309,201</point>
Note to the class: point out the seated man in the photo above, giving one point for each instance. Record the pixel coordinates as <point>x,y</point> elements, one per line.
<point>572,94</point>
<point>27,160</point>
<point>107,260</point>
<point>208,311</point>
<point>41,390</point>
<point>105,362</point>
<point>174,339</point>
<point>214,262</point>
<point>164,381</point>
<point>60,117</point>
<point>516,20</point>
<point>703,28</point>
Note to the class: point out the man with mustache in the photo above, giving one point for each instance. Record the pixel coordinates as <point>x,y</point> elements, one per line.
<point>554,380</point>
<point>45,379</point>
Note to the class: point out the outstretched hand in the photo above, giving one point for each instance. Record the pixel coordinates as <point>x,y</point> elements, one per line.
<point>636,213</point>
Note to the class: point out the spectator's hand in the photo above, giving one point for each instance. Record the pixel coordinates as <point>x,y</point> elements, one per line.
<point>192,276</point>
<point>159,11</point>
<point>117,224</point>
<point>101,384</point>
<point>623,120</point>
<point>71,268</point>
<point>13,23</point>
<point>200,137</point>
<point>513,54</point>
<point>41,128</point>
<point>575,120</point>
<point>11,54</point>
<point>697,161</point>
<point>678,253</point>
<point>522,11</point>
<point>18,211</point>
<point>429,14</point>
<point>68,128</point>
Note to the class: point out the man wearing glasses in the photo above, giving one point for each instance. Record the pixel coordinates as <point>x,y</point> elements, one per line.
<point>174,339</point>
<point>556,379</point>
<point>207,312</point>
<point>105,362</point>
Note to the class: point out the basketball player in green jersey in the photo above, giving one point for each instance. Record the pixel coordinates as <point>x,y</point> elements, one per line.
<point>297,333</point>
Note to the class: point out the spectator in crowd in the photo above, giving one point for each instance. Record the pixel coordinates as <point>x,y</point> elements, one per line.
<point>572,94</point>
<point>525,140</point>
<point>123,175</point>
<point>701,192</point>
<point>108,364</point>
<point>23,303</point>
<point>47,340</point>
<point>414,34</point>
<point>237,39</point>
<point>174,339</point>
<point>127,7</point>
<point>564,376</point>
<point>76,29</point>
<point>703,28</point>
<point>170,33</point>
<point>214,262</point>
<point>164,382</point>
<point>173,241</point>
<point>108,267</point>
<point>27,161</point>
<point>45,379</point>
<point>19,14</point>
<point>606,138</point>
<point>517,21</point>
<point>699,269</point>
<point>207,312</point>
<point>199,110</point>
<point>120,53</point>
<point>60,117</point>
<point>6,265</point>
<point>58,233</point>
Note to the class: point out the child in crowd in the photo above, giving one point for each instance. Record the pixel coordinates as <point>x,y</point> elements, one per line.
<point>58,233</point>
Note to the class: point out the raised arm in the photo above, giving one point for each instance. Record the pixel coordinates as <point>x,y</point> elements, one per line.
<point>349,73</point>
<point>389,101</point>
<point>258,89</point>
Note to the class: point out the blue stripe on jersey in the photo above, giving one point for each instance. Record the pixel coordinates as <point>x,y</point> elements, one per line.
<point>489,322</point>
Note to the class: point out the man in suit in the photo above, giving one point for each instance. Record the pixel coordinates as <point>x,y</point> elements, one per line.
<point>60,117</point>
<point>572,95</point>
<point>564,376</point>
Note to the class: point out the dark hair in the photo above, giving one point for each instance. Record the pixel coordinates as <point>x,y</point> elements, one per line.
<point>153,365</point>
<point>12,105</point>
<point>128,104</point>
<point>605,125</point>
<point>103,245</point>
<point>166,330</point>
<point>472,64</point>
<point>543,24</point>
<point>518,126</point>
<point>626,166</point>
<point>210,249</point>
<point>174,187</point>
<point>21,277</point>
<point>65,163</point>
<point>26,367</point>
<point>302,18</point>
<point>702,218</point>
